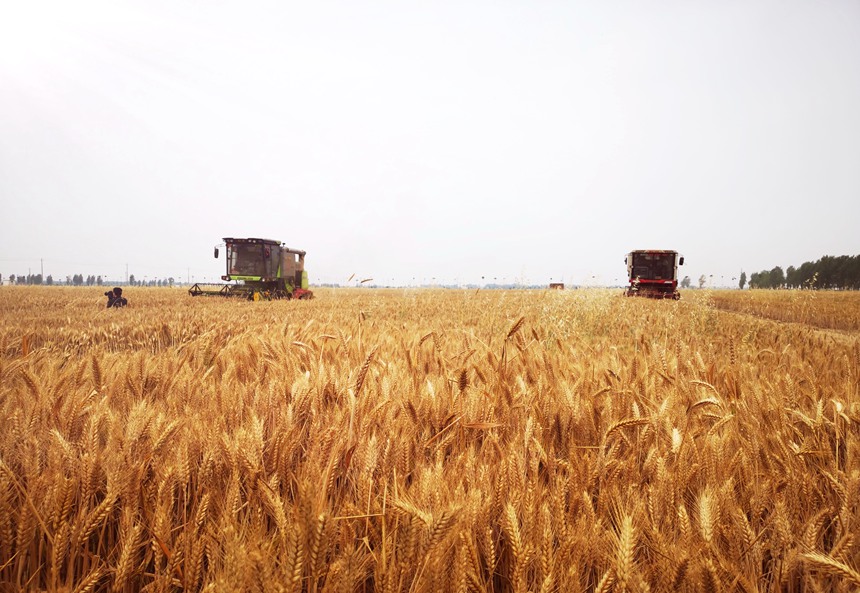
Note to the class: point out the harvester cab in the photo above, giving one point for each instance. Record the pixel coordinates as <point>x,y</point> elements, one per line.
<point>260,269</point>
<point>653,273</point>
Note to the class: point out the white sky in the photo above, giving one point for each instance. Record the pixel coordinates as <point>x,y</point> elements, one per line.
<point>529,140</point>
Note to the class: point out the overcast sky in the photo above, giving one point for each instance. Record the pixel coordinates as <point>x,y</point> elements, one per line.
<point>528,140</point>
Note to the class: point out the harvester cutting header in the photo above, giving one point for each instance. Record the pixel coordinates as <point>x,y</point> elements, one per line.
<point>260,269</point>
<point>653,273</point>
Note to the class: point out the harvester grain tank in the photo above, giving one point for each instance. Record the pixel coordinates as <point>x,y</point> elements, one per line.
<point>260,269</point>
<point>653,273</point>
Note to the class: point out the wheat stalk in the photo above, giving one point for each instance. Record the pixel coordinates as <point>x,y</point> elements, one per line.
<point>219,445</point>
<point>830,565</point>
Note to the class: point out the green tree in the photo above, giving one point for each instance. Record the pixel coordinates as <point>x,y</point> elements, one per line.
<point>743,280</point>
<point>131,280</point>
<point>777,278</point>
<point>827,271</point>
<point>702,280</point>
<point>854,273</point>
<point>843,266</point>
<point>760,279</point>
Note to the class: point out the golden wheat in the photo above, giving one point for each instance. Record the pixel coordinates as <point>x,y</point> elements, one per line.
<point>420,440</point>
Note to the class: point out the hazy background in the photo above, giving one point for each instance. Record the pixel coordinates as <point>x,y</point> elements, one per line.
<point>524,141</point>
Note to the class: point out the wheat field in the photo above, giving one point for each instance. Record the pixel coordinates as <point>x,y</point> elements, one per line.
<point>429,440</point>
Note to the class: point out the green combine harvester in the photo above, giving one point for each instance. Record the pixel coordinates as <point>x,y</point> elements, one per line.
<point>259,269</point>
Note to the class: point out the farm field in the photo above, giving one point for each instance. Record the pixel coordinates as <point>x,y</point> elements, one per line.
<point>826,310</point>
<point>429,440</point>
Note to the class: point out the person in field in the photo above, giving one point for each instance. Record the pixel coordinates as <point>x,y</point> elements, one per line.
<point>115,298</point>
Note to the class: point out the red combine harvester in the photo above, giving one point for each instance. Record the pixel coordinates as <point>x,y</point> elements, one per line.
<point>653,273</point>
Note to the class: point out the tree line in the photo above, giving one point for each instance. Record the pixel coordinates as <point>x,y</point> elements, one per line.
<point>842,272</point>
<point>80,280</point>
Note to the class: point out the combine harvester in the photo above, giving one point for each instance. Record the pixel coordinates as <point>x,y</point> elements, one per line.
<point>260,269</point>
<point>653,273</point>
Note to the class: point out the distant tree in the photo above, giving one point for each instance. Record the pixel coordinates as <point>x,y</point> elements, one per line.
<point>777,278</point>
<point>804,274</point>
<point>743,281</point>
<point>845,269</point>
<point>754,280</point>
<point>702,280</point>
<point>78,279</point>
<point>826,269</point>
<point>854,273</point>
<point>12,279</point>
<point>99,280</point>
<point>685,283</point>
<point>170,281</point>
<point>49,280</point>
<point>131,280</point>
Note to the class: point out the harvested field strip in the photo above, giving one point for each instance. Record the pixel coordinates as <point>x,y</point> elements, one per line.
<point>822,309</point>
